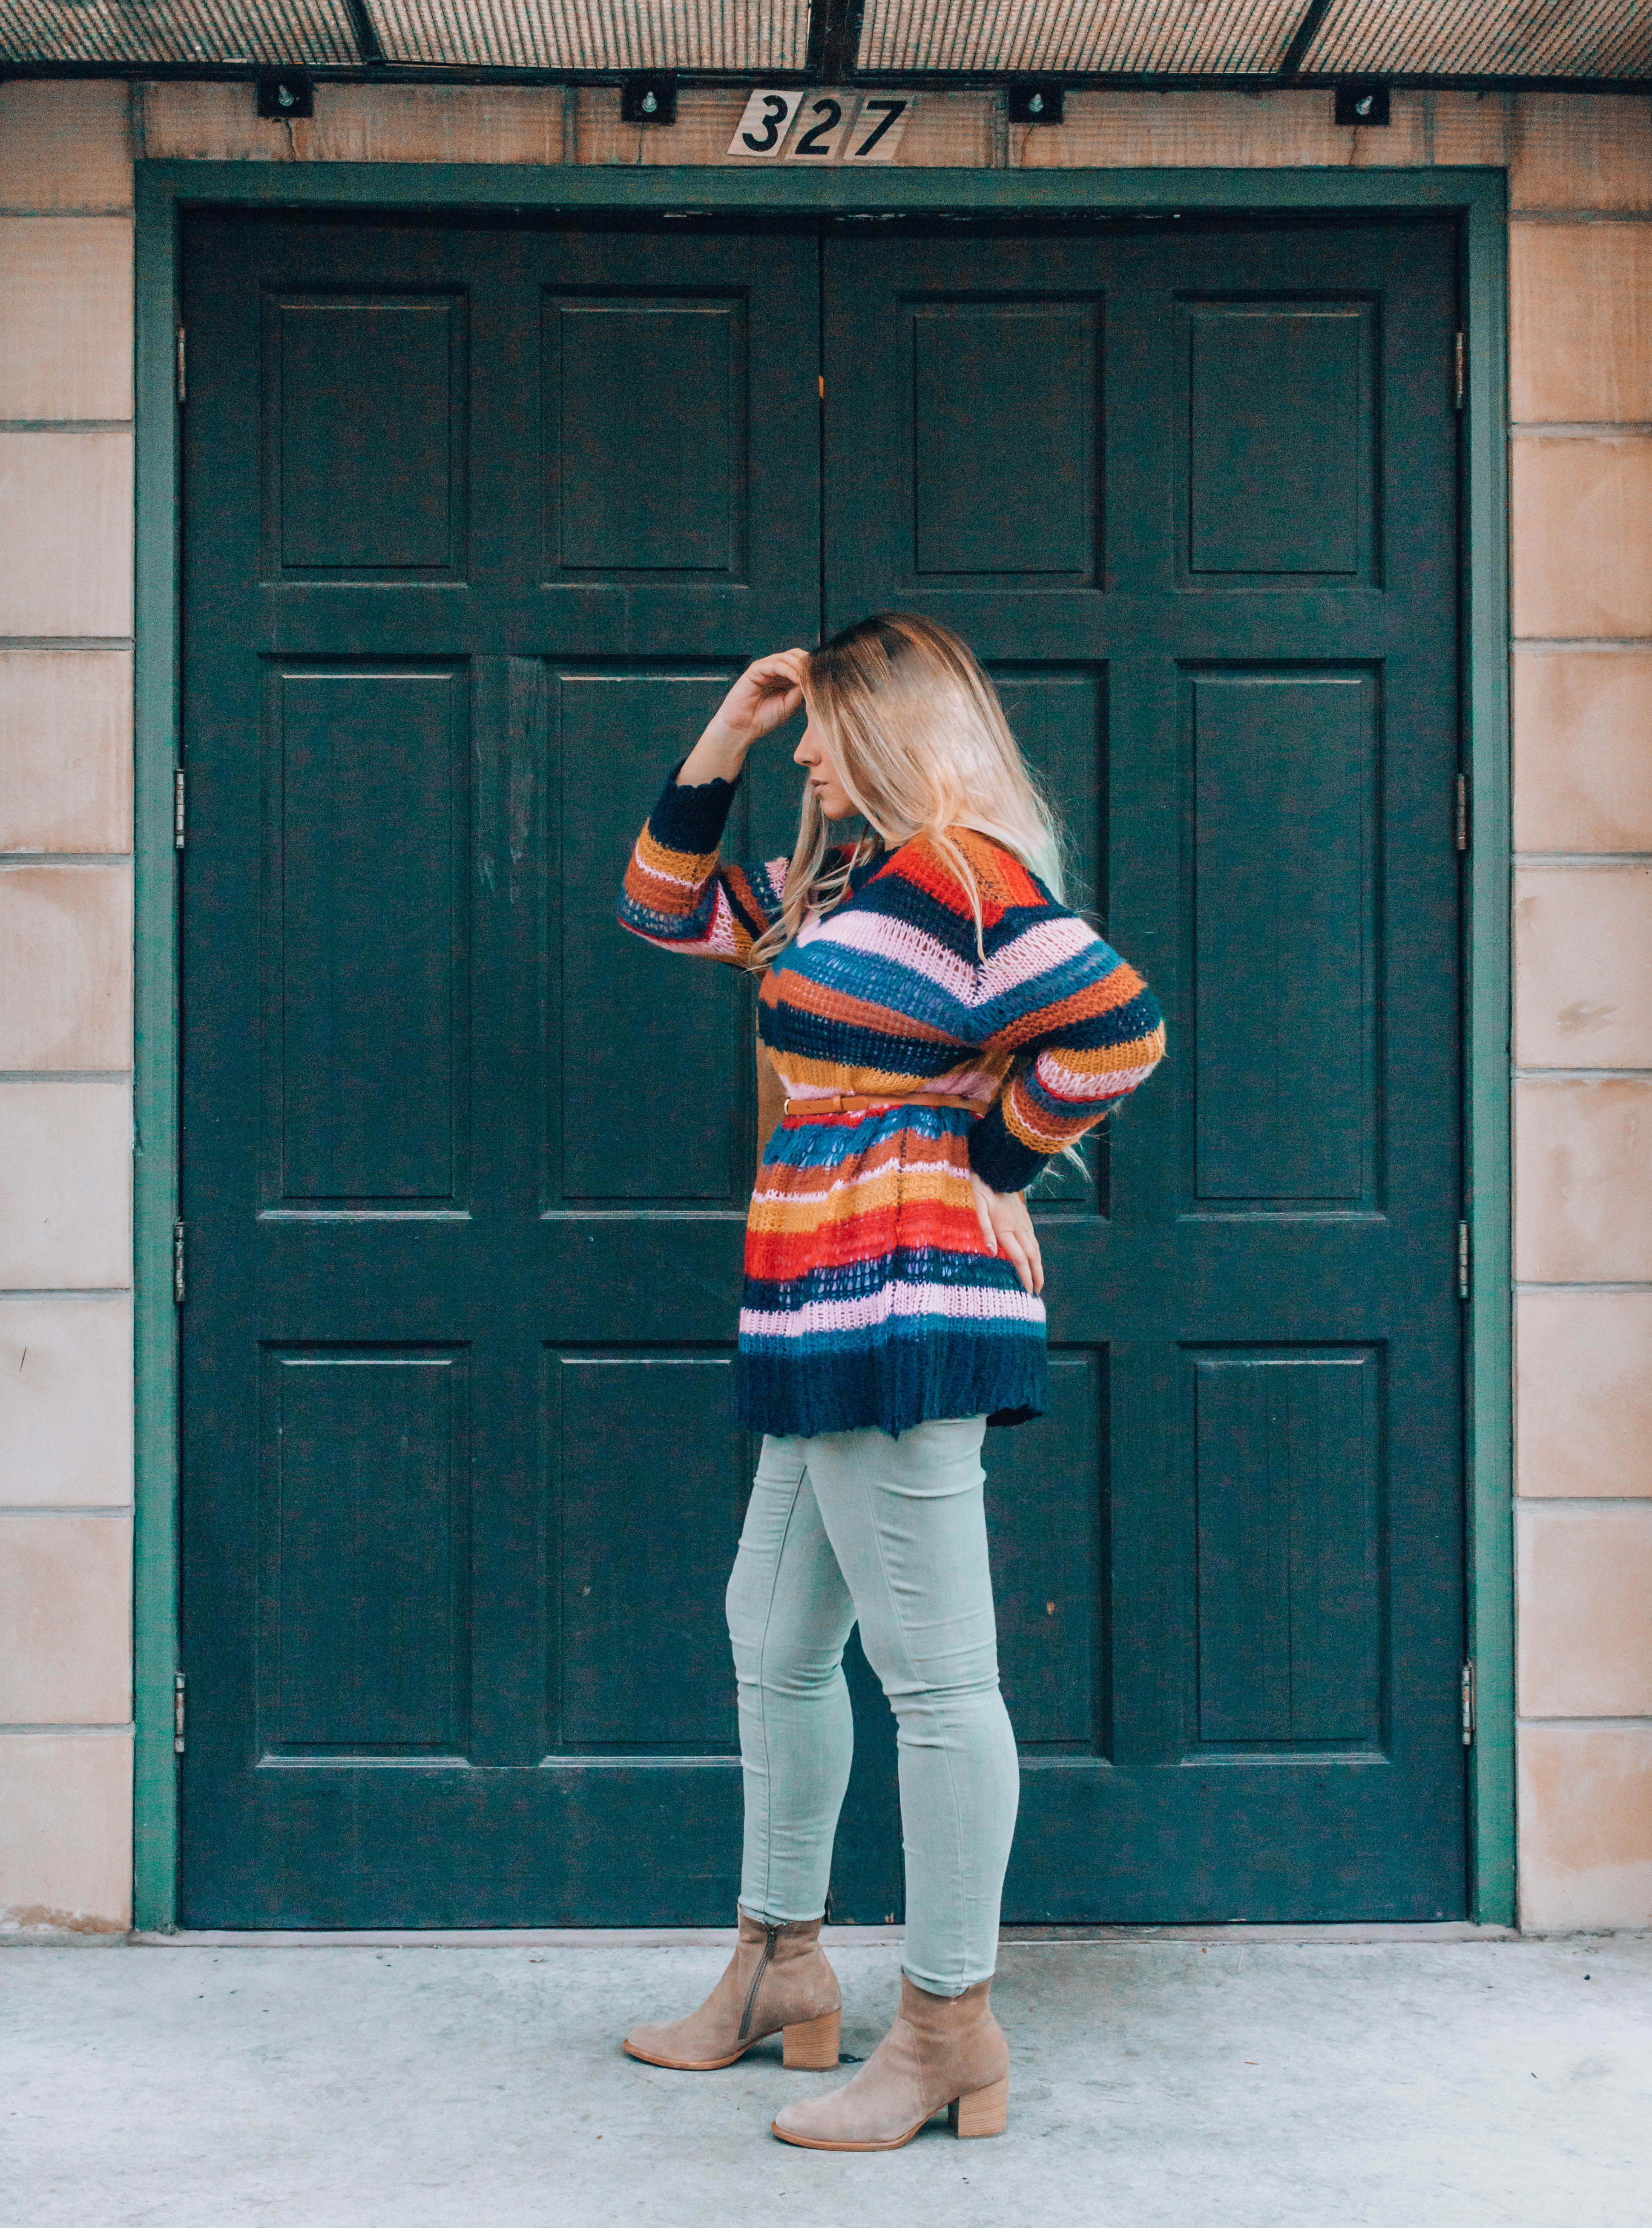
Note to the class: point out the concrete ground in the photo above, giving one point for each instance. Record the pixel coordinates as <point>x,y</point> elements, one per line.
<point>1237,2078</point>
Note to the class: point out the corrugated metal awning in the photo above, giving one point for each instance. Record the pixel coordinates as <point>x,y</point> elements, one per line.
<point>1600,43</point>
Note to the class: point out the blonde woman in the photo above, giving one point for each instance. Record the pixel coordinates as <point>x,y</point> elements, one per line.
<point>942,1026</point>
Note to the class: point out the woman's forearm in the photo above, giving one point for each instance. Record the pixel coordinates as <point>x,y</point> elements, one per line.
<point>719,755</point>
<point>763,698</point>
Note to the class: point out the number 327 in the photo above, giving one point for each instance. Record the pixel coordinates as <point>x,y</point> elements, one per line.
<point>833,129</point>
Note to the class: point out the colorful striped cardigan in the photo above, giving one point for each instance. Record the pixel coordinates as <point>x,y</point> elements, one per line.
<point>870,1296</point>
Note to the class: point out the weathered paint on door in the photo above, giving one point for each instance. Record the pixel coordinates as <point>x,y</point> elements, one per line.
<point>478,521</point>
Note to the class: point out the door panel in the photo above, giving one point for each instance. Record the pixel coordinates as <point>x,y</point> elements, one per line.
<point>470,548</point>
<point>1264,1267</point>
<point>480,520</point>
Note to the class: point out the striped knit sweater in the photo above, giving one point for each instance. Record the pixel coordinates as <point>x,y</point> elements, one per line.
<point>870,1296</point>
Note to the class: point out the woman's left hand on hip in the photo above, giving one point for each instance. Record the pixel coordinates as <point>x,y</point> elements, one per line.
<point>1007,1227</point>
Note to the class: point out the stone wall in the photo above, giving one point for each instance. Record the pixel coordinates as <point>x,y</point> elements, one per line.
<point>1580,174</point>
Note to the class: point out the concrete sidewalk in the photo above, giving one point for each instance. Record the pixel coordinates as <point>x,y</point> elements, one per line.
<point>1162,2082</point>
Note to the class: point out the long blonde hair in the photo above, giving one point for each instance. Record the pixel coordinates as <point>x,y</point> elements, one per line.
<point>921,745</point>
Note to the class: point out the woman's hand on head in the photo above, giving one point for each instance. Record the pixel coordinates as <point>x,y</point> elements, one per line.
<point>766,696</point>
<point>1007,1227</point>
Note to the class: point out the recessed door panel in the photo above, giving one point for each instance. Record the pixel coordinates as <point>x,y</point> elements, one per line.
<point>648,1478</point>
<point>365,1551</point>
<point>1047,1518</point>
<point>1281,447</point>
<point>1005,471</point>
<point>366,426</point>
<point>1282,1064</point>
<point>645,435</point>
<point>1289,1449</point>
<point>367,1009</point>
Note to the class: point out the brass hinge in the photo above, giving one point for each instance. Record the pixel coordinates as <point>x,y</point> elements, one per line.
<point>1463,1260</point>
<point>177,1263</point>
<point>1463,812</point>
<point>822,376</point>
<point>1459,366</point>
<point>177,1714</point>
<point>183,381</point>
<point>1468,1703</point>
<point>177,809</point>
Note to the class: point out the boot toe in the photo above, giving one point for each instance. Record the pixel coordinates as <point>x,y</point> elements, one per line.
<point>661,2042</point>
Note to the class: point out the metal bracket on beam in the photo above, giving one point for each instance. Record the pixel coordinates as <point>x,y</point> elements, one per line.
<point>834,39</point>
<point>1304,36</point>
<point>366,33</point>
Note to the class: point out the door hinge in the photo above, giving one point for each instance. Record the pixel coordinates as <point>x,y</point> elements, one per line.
<point>177,1263</point>
<point>822,379</point>
<point>182,380</point>
<point>177,1714</point>
<point>1463,1260</point>
<point>177,809</point>
<point>1468,1703</point>
<point>1459,366</point>
<point>1462,823</point>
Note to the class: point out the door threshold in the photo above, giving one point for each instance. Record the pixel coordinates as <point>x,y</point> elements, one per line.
<point>1330,1934</point>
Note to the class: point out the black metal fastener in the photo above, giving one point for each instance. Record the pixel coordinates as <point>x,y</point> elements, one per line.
<point>648,100</point>
<point>286,93</point>
<point>1036,101</point>
<point>1361,104</point>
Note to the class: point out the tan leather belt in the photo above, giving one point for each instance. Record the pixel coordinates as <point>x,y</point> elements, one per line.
<point>849,1102</point>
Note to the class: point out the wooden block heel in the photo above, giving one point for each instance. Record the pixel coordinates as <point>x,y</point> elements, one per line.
<point>811,2045</point>
<point>985,2113</point>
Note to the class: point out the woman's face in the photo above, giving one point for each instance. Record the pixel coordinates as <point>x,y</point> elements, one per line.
<point>813,753</point>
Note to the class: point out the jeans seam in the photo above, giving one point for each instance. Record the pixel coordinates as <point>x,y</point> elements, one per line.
<point>952,1780</point>
<point>762,1691</point>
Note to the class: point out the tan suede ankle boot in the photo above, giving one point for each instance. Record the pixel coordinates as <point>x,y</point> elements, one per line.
<point>777,1980</point>
<point>941,2049</point>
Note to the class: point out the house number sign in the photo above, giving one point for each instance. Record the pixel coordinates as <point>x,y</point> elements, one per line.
<point>811,126</point>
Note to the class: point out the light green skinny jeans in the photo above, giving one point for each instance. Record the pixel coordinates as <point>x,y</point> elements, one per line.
<point>892,1531</point>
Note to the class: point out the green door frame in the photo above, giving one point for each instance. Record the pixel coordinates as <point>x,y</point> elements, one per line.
<point>1475,199</point>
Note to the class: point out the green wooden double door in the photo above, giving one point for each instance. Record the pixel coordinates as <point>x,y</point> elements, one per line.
<point>479,520</point>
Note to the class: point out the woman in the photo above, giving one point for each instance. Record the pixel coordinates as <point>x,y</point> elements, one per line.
<point>942,1026</point>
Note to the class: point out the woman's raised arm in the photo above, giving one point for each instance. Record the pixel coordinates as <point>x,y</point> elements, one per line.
<point>678,892</point>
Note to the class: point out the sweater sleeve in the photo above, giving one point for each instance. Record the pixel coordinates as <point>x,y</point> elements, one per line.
<point>679,894</point>
<point>1083,1030</point>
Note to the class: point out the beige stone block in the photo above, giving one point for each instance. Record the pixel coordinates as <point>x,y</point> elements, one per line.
<point>66,340</point>
<point>1583,1180</point>
<point>66,750</point>
<point>1583,1393</point>
<point>1582,966</point>
<point>1467,128</point>
<point>65,1621</point>
<point>65,1403</point>
<point>65,1833</point>
<point>1583,750</point>
<point>1585,1827</point>
<point>65,958</point>
<point>949,130</point>
<point>1571,150</point>
<point>66,534</point>
<point>1582,513</point>
<point>1585,1589</point>
<point>359,123</point>
<point>1580,322</point>
<point>66,1171</point>
<point>65,143</point>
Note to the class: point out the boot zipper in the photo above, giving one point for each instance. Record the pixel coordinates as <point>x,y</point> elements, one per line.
<point>771,1935</point>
